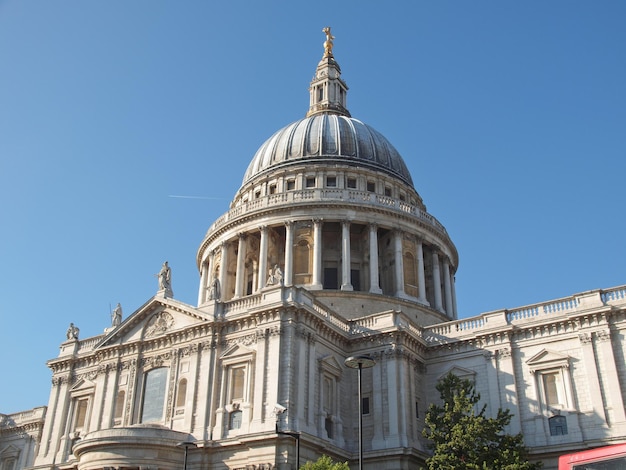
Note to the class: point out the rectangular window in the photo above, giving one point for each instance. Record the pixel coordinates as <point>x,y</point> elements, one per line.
<point>238,378</point>
<point>257,195</point>
<point>272,189</point>
<point>552,386</point>
<point>351,183</point>
<point>310,182</point>
<point>371,186</point>
<point>366,405</point>
<point>154,395</point>
<point>81,414</point>
<point>558,425</point>
<point>331,181</point>
<point>387,191</point>
<point>417,410</point>
<point>291,185</point>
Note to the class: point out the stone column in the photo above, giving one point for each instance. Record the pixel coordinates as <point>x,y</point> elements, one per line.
<point>262,277</point>
<point>398,235</point>
<point>288,280</point>
<point>615,403</point>
<point>346,283</point>
<point>241,267</point>
<point>223,271</point>
<point>421,279</point>
<point>453,283</point>
<point>437,281</point>
<point>204,275</point>
<point>317,254</point>
<point>447,287</point>
<point>374,286</point>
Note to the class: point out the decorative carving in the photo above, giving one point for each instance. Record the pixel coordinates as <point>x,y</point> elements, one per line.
<point>585,338</point>
<point>603,335</point>
<point>159,324</point>
<point>72,332</point>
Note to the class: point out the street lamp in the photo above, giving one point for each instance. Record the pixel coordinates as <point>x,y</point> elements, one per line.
<point>186,445</point>
<point>279,410</point>
<point>360,363</point>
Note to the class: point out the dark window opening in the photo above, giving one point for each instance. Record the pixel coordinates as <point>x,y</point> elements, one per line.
<point>558,425</point>
<point>331,278</point>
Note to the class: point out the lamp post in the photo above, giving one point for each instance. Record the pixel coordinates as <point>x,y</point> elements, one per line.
<point>186,445</point>
<point>360,363</point>
<point>296,435</point>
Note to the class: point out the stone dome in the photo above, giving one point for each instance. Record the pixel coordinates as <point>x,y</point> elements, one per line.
<point>327,138</point>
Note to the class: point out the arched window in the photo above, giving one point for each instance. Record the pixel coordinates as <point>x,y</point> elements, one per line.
<point>181,396</point>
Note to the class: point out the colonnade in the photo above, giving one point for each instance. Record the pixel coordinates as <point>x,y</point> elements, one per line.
<point>439,277</point>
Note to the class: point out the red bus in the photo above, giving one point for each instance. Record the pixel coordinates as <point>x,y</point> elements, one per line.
<point>601,458</point>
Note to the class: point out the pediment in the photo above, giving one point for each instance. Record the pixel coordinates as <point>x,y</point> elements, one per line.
<point>460,372</point>
<point>237,352</point>
<point>82,385</point>
<point>9,451</point>
<point>546,359</point>
<point>157,317</point>
<point>330,364</point>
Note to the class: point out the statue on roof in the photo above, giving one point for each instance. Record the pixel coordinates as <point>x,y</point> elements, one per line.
<point>328,44</point>
<point>72,332</point>
<point>165,277</point>
<point>116,316</point>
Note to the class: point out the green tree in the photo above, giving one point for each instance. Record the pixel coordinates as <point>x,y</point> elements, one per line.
<point>464,438</point>
<point>325,463</point>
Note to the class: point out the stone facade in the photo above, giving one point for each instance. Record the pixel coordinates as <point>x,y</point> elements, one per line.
<point>327,251</point>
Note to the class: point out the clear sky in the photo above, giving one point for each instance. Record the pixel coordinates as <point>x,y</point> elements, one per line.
<point>511,117</point>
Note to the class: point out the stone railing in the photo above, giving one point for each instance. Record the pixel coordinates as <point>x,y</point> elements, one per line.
<point>351,196</point>
<point>568,306</point>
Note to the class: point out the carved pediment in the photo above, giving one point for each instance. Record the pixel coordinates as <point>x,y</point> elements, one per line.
<point>157,317</point>
<point>82,385</point>
<point>460,372</point>
<point>547,359</point>
<point>331,365</point>
<point>237,353</point>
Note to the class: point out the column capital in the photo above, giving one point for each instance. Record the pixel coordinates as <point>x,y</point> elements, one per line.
<point>373,226</point>
<point>263,228</point>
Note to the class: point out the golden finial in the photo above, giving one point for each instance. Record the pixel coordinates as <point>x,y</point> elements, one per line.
<point>328,44</point>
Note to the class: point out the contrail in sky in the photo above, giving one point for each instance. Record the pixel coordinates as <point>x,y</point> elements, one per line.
<point>196,197</point>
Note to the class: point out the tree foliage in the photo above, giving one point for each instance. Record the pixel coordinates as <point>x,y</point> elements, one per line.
<point>325,463</point>
<point>463,438</point>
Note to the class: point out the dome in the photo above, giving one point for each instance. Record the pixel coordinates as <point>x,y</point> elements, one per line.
<point>327,138</point>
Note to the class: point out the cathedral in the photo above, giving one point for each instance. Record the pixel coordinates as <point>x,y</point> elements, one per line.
<point>326,315</point>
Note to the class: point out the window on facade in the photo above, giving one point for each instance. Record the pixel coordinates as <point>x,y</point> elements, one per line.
<point>387,191</point>
<point>154,395</point>
<point>410,274</point>
<point>328,425</point>
<point>371,186</point>
<point>320,94</point>
<point>81,413</point>
<point>234,419</point>
<point>351,183</point>
<point>301,261</point>
<point>331,181</point>
<point>119,404</point>
<point>402,197</point>
<point>181,396</point>
<point>417,410</point>
<point>237,383</point>
<point>310,182</point>
<point>291,185</point>
<point>8,464</point>
<point>558,425</point>
<point>553,388</point>
<point>272,189</point>
<point>366,405</point>
<point>257,195</point>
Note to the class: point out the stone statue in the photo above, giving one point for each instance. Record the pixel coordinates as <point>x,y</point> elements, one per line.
<point>116,316</point>
<point>72,332</point>
<point>328,44</point>
<point>214,289</point>
<point>270,277</point>
<point>165,277</point>
<point>278,274</point>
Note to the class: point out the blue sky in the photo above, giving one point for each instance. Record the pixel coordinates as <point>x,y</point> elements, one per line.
<point>511,117</point>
